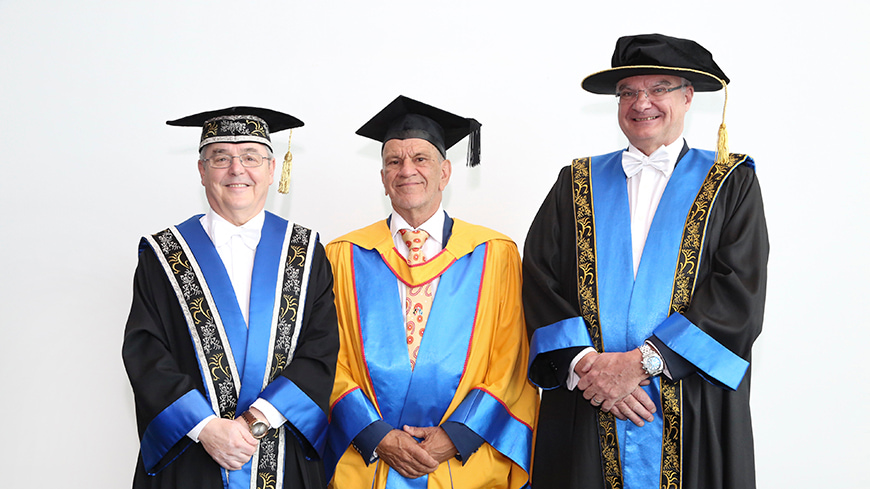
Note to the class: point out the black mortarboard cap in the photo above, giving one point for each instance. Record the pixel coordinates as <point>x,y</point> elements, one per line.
<point>406,118</point>
<point>238,124</point>
<point>650,54</point>
<point>244,124</point>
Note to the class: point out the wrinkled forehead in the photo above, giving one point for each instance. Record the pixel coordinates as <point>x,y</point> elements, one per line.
<point>409,146</point>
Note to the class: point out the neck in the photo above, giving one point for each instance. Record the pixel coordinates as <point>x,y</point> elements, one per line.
<point>237,219</point>
<point>415,219</point>
<point>652,148</point>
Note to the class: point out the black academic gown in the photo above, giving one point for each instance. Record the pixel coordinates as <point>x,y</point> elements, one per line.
<point>728,304</point>
<point>162,366</point>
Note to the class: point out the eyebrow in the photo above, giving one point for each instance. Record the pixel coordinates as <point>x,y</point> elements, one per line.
<point>656,84</point>
<point>389,156</point>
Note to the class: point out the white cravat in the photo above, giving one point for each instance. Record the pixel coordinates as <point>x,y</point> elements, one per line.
<point>433,245</point>
<point>633,163</point>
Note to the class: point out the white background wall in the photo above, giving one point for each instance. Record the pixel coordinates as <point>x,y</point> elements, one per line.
<point>88,166</point>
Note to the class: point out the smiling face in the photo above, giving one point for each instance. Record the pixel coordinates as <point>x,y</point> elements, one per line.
<point>236,193</point>
<point>649,123</point>
<point>414,176</point>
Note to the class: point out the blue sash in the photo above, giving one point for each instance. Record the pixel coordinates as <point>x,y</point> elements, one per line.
<point>404,396</point>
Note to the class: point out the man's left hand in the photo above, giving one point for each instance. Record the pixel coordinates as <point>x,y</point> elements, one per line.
<point>435,441</point>
<point>636,407</point>
<point>607,378</point>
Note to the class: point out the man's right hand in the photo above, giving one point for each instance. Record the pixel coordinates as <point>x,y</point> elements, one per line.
<point>402,452</point>
<point>229,443</point>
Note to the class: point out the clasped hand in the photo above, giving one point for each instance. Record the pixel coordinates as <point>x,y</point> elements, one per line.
<point>413,459</point>
<point>612,382</point>
<point>228,442</point>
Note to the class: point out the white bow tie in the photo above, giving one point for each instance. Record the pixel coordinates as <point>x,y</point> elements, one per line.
<point>632,163</point>
<point>223,233</point>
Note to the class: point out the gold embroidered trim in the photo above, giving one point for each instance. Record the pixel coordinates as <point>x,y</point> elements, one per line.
<point>685,279</point>
<point>685,274</point>
<point>584,226</point>
<point>672,433</point>
<point>587,296</point>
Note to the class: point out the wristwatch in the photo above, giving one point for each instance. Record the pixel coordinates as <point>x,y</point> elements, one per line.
<point>258,428</point>
<point>651,361</point>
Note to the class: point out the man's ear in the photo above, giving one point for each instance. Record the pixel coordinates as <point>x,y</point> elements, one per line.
<point>446,171</point>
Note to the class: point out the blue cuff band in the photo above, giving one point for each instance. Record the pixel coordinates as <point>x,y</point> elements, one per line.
<point>302,412</point>
<point>567,333</point>
<point>489,418</point>
<point>699,348</point>
<point>171,425</point>
<point>350,415</point>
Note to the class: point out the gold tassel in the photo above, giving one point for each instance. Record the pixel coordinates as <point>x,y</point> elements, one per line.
<point>284,184</point>
<point>722,154</point>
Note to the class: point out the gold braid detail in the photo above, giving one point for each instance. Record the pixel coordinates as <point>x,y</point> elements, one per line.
<point>685,278</point>
<point>587,296</point>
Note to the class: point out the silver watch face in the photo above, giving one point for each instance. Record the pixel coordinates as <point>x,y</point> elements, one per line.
<point>259,429</point>
<point>652,365</point>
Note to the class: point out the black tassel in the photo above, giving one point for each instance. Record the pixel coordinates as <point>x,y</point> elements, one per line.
<point>474,145</point>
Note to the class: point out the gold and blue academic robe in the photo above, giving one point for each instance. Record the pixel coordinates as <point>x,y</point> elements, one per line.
<point>579,283</point>
<point>470,368</point>
<point>189,354</point>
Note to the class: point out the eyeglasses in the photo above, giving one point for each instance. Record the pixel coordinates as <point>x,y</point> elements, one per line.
<point>248,160</point>
<point>655,93</point>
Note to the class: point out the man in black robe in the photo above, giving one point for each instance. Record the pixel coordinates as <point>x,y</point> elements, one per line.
<point>644,278</point>
<point>232,339</point>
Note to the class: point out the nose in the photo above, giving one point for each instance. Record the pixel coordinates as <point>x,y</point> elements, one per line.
<point>642,101</point>
<point>408,168</point>
<point>236,167</point>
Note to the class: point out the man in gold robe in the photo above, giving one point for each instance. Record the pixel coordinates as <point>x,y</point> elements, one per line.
<point>430,388</point>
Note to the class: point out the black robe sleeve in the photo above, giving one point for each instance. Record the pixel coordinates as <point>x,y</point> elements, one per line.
<point>550,278</point>
<point>728,301</point>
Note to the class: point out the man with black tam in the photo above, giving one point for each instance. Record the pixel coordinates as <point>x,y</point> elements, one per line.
<point>430,386</point>
<point>644,277</point>
<point>231,341</point>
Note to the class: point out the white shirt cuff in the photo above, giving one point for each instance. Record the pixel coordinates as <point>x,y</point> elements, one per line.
<point>273,416</point>
<point>194,433</point>
<point>573,378</point>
